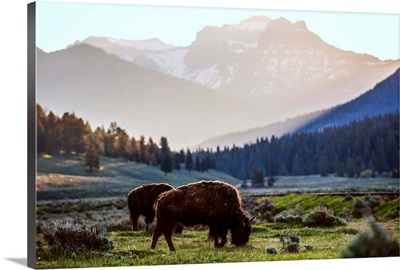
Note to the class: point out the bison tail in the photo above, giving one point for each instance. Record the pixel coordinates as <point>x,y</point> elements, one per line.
<point>130,203</point>
<point>155,204</point>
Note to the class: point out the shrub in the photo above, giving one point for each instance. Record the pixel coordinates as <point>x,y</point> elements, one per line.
<point>348,197</point>
<point>72,239</point>
<point>122,225</point>
<point>367,174</point>
<point>360,209</point>
<point>308,247</point>
<point>363,208</point>
<point>290,242</point>
<point>271,250</point>
<point>346,214</point>
<point>266,210</point>
<point>292,247</point>
<point>372,201</point>
<point>267,205</point>
<point>323,217</point>
<point>298,211</point>
<point>375,244</point>
<point>286,217</point>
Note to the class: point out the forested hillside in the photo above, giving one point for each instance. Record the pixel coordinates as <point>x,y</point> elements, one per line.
<point>369,145</point>
<point>383,98</point>
<point>71,135</point>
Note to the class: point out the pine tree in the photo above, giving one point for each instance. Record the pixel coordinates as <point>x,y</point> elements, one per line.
<point>271,178</point>
<point>74,134</point>
<point>177,161</point>
<point>166,156</point>
<point>143,151</point>
<point>323,166</point>
<point>134,155</point>
<point>53,134</point>
<point>97,138</point>
<point>91,157</point>
<point>257,176</point>
<point>40,129</point>
<point>122,144</point>
<point>153,153</point>
<point>197,164</point>
<point>350,167</point>
<point>189,161</point>
<point>182,156</point>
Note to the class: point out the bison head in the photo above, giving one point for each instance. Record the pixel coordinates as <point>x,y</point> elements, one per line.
<point>241,232</point>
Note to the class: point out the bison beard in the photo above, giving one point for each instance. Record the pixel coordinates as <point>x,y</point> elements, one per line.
<point>212,203</point>
<point>141,200</point>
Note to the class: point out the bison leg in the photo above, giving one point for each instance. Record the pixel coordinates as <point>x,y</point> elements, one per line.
<point>169,229</point>
<point>214,235</point>
<point>158,230</point>
<point>216,232</point>
<point>148,221</point>
<point>179,228</point>
<point>222,232</point>
<point>134,218</point>
<point>223,240</point>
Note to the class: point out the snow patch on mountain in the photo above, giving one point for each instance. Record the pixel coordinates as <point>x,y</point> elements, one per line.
<point>147,45</point>
<point>256,23</point>
<point>236,46</point>
<point>209,77</point>
<point>169,62</point>
<point>257,58</point>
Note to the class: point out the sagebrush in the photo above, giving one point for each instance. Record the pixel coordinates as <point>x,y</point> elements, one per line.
<point>72,239</point>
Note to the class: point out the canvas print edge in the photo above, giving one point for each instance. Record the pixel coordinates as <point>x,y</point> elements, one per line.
<point>31,134</point>
<point>31,137</point>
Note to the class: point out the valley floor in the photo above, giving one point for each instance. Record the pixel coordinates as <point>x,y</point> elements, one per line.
<point>100,199</point>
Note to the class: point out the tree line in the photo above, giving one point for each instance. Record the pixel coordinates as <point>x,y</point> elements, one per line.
<point>367,145</point>
<point>69,135</point>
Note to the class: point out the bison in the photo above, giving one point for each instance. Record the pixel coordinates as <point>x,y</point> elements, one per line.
<point>141,200</point>
<point>211,203</point>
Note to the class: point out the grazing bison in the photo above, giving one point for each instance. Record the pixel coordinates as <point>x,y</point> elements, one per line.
<point>212,203</point>
<point>141,200</point>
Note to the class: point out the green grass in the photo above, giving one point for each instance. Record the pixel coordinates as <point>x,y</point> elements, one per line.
<point>336,203</point>
<point>388,209</point>
<point>68,191</point>
<point>310,201</point>
<point>111,167</point>
<point>64,177</point>
<point>193,247</point>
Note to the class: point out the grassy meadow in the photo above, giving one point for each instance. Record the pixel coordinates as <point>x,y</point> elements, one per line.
<point>69,194</point>
<point>192,247</point>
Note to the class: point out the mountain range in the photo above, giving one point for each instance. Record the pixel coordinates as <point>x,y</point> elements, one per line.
<point>383,98</point>
<point>103,88</point>
<point>231,78</point>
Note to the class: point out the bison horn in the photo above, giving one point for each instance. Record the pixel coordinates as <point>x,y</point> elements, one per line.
<point>246,222</point>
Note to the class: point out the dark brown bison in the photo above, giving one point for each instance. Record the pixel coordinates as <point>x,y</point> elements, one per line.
<point>212,203</point>
<point>141,200</point>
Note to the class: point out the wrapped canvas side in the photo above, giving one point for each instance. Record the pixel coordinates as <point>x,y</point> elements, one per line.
<point>31,134</point>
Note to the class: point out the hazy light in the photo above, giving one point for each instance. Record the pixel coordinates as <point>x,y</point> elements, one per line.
<point>61,24</point>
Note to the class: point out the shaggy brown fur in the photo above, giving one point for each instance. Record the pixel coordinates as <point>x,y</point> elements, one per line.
<point>212,203</point>
<point>141,200</point>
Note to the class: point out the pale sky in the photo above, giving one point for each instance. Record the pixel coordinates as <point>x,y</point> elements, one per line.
<point>60,24</point>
